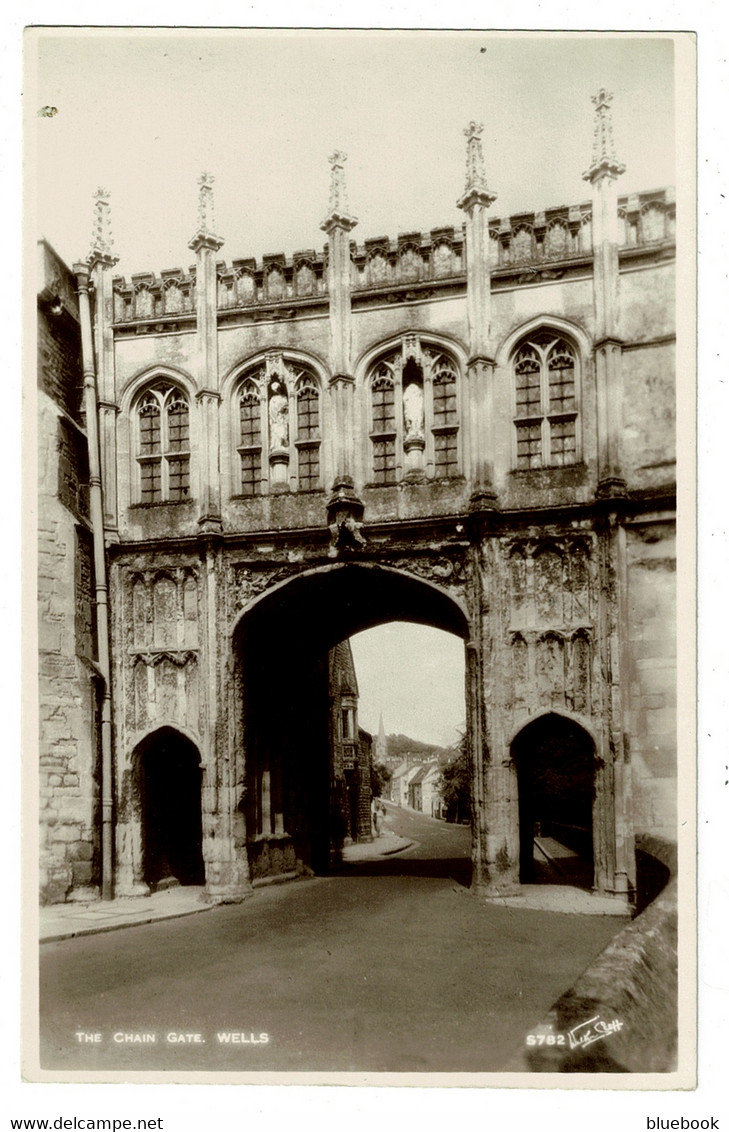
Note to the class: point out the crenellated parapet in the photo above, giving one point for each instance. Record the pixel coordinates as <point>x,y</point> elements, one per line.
<point>555,236</point>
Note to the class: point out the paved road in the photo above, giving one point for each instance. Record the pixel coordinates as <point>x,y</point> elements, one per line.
<point>387,966</point>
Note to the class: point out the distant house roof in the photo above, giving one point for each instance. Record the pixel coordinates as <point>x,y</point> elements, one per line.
<point>419,775</point>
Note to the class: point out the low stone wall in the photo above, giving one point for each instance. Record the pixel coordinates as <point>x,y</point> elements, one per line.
<point>633,982</point>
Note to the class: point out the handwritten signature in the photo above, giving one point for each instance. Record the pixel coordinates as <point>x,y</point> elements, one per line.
<point>593,1030</point>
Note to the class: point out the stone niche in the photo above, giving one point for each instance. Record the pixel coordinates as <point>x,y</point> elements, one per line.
<point>162,648</point>
<point>549,597</point>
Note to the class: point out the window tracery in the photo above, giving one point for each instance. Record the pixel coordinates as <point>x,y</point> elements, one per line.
<point>163,445</point>
<point>546,416</point>
<point>279,438</point>
<point>413,413</point>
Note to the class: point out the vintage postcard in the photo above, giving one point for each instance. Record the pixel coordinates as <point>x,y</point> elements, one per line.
<point>361,738</point>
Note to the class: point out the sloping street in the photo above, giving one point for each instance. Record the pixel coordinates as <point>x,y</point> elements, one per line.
<point>389,965</point>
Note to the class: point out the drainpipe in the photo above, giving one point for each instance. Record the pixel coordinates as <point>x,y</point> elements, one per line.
<point>81,272</point>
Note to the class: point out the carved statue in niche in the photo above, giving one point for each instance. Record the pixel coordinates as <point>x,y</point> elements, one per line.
<point>412,401</point>
<point>278,415</point>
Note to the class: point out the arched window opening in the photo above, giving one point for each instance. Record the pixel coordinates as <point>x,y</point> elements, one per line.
<point>414,416</point>
<point>280,436</point>
<point>546,416</point>
<point>163,445</point>
<point>308,432</point>
<point>384,429</point>
<point>445,417</point>
<point>250,437</point>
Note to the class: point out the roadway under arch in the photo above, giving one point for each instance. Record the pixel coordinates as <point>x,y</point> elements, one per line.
<point>281,645</point>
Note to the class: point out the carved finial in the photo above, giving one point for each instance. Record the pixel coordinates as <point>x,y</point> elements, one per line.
<point>338,202</point>
<point>604,159</point>
<point>476,191</point>
<point>101,241</point>
<point>205,205</point>
<point>205,233</point>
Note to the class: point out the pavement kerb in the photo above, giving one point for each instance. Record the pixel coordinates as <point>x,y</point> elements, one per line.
<point>136,923</point>
<point>400,848</point>
<point>70,911</point>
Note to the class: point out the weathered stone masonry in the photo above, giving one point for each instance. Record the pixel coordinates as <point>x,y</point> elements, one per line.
<point>472,429</point>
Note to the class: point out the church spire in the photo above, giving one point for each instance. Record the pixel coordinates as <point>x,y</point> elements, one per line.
<point>381,743</point>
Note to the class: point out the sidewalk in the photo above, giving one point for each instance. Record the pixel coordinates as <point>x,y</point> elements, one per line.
<point>382,846</point>
<point>65,921</point>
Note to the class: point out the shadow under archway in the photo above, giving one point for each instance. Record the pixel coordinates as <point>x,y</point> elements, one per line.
<point>293,791</point>
<point>555,763</point>
<point>170,777</point>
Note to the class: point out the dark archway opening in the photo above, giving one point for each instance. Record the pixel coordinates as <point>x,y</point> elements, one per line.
<point>555,763</point>
<point>296,803</point>
<point>170,778</point>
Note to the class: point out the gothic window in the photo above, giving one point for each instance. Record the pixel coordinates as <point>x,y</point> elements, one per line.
<point>250,437</point>
<point>445,417</point>
<point>413,414</point>
<point>308,434</point>
<point>280,427</point>
<point>384,428</point>
<point>545,375</point>
<point>163,452</point>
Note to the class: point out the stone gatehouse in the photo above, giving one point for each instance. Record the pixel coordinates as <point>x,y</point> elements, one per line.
<point>472,429</point>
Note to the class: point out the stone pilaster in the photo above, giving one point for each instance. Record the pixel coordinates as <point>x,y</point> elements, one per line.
<point>495,822</point>
<point>101,263</point>
<point>613,829</point>
<point>602,175</point>
<point>206,245</point>
<point>337,225</point>
<point>224,839</point>
<point>475,202</point>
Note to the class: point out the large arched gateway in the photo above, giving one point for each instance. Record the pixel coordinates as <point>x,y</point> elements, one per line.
<point>293,790</point>
<point>467,428</point>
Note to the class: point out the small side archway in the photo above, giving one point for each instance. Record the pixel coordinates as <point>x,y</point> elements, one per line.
<point>555,765</point>
<point>169,776</point>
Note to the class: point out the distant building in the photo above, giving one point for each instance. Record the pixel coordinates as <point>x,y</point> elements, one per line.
<point>432,802</point>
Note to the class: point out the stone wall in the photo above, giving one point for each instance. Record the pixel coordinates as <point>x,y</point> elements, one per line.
<point>634,982</point>
<point>651,555</point>
<point>68,740</point>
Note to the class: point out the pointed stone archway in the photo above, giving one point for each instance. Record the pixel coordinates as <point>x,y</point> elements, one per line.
<point>555,764</point>
<point>169,776</point>
<point>292,799</point>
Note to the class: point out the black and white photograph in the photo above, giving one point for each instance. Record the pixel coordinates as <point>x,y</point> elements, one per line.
<point>363,709</point>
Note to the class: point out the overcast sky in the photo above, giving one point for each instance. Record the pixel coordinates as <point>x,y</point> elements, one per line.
<point>143,113</point>
<point>415,676</point>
